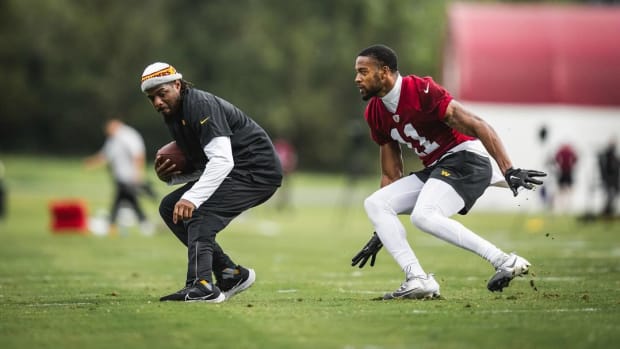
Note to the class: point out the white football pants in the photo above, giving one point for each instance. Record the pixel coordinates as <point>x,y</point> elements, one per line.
<point>429,205</point>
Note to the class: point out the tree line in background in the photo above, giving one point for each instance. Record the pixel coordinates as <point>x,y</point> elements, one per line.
<point>68,65</point>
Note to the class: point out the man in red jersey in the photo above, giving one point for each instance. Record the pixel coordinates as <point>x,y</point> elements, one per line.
<point>455,147</point>
<point>565,161</point>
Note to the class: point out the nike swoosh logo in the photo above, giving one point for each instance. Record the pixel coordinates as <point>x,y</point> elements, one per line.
<point>513,264</point>
<point>513,177</point>
<point>428,84</point>
<point>205,120</point>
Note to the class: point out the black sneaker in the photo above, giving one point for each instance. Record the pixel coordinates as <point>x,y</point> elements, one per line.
<point>177,296</point>
<point>204,292</point>
<point>236,280</point>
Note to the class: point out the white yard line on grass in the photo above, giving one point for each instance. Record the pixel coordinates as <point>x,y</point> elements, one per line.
<point>342,290</point>
<point>57,304</point>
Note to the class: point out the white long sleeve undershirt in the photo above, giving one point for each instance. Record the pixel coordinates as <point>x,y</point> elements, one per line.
<point>221,162</point>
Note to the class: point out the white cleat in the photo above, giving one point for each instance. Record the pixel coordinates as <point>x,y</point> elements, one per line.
<point>417,287</point>
<point>512,267</point>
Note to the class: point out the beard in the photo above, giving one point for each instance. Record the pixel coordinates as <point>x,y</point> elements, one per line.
<point>372,89</point>
<point>171,109</point>
<point>369,93</point>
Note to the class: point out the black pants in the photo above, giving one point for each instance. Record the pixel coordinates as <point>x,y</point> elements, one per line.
<point>611,191</point>
<point>129,194</point>
<point>205,256</point>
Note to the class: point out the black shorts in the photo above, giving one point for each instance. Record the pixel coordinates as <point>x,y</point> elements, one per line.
<point>565,179</point>
<point>468,173</point>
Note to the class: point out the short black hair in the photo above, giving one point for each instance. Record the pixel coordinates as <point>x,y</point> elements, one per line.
<point>385,55</point>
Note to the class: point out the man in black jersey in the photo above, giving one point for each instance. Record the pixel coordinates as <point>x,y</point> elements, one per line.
<point>232,167</point>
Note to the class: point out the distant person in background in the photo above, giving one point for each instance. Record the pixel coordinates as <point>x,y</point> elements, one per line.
<point>3,193</point>
<point>565,160</point>
<point>546,191</point>
<point>457,149</point>
<point>124,153</point>
<point>288,158</point>
<point>355,167</point>
<point>609,166</point>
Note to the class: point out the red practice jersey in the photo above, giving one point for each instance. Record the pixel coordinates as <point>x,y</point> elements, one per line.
<point>418,120</point>
<point>566,158</point>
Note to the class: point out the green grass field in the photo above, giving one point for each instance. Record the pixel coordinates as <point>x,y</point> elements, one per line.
<point>86,291</point>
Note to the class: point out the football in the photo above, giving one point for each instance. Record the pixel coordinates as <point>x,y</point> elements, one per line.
<point>172,152</point>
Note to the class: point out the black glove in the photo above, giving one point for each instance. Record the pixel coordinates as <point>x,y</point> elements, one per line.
<point>369,251</point>
<point>522,178</point>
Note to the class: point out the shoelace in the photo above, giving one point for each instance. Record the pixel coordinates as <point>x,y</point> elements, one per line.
<point>184,289</point>
<point>508,267</point>
<point>403,286</point>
